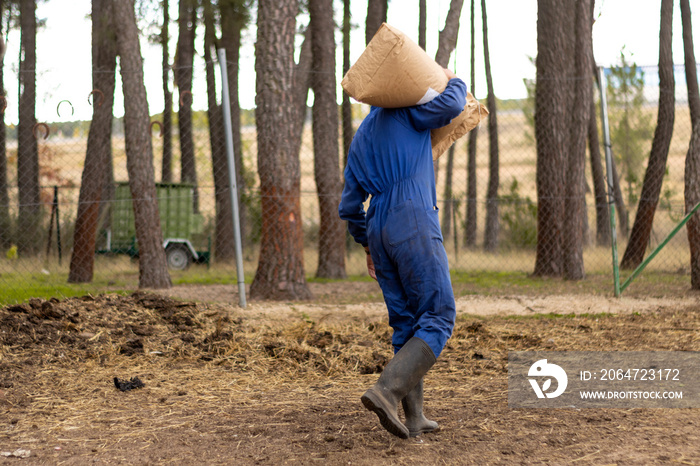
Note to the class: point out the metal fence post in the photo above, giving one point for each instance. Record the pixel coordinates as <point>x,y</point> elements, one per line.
<point>233,188</point>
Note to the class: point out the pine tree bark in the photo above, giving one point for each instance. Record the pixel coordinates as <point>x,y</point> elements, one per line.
<point>29,220</point>
<point>184,66</point>
<point>376,15</point>
<point>348,130</point>
<point>447,42</point>
<point>166,174</point>
<point>470,226</point>
<point>692,159</point>
<point>235,16</point>
<point>153,271</point>
<point>552,98</point>
<point>422,21</point>
<point>653,177</point>
<point>331,241</point>
<point>492,221</point>
<point>447,195</point>
<point>575,206</point>
<point>6,236</point>
<point>224,245</point>
<point>280,272</point>
<point>602,211</point>
<point>99,145</point>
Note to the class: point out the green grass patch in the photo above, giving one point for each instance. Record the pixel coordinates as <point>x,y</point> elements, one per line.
<point>496,283</point>
<point>20,288</point>
<point>351,278</point>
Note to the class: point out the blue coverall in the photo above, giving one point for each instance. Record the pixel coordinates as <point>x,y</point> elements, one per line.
<point>390,159</point>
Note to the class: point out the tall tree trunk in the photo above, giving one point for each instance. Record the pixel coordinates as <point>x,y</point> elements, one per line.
<point>376,15</point>
<point>29,221</point>
<point>491,226</point>
<point>6,236</point>
<point>551,131</point>
<point>98,154</point>
<point>448,196</point>
<point>470,226</point>
<point>153,270</point>
<point>234,19</point>
<point>348,130</point>
<point>654,175</point>
<point>446,44</point>
<point>280,273</point>
<point>224,246</point>
<point>184,59</point>
<point>166,175</point>
<point>602,211</point>
<point>692,159</point>
<point>574,210</point>
<point>692,197</point>
<point>331,241</point>
<point>691,69</point>
<point>449,34</point>
<point>422,21</point>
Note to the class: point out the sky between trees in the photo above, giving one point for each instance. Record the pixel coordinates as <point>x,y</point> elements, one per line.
<point>64,57</point>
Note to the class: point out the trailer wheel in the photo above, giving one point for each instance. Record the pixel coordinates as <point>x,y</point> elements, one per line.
<point>178,256</point>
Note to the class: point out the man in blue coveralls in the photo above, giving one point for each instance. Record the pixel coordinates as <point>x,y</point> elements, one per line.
<point>390,159</point>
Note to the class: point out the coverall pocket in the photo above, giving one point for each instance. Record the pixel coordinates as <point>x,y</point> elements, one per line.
<point>400,224</point>
<point>432,226</point>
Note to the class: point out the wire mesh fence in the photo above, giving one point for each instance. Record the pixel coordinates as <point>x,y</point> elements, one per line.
<point>42,168</point>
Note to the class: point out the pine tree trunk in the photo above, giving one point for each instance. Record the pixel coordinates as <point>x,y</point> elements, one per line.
<point>470,226</point>
<point>331,241</point>
<point>224,245</point>
<point>153,271</point>
<point>422,20</point>
<point>376,15</point>
<point>654,175</point>
<point>492,222</point>
<point>234,17</point>
<point>692,159</point>
<point>280,273</point>
<point>574,210</point>
<point>448,197</point>
<point>6,236</point>
<point>446,44</point>
<point>166,175</point>
<point>602,211</point>
<point>692,197</point>
<point>98,154</point>
<point>348,130</point>
<point>29,220</point>
<point>551,133</point>
<point>183,78</point>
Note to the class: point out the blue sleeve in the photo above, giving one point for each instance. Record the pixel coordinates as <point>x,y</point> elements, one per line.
<point>442,109</point>
<point>352,209</point>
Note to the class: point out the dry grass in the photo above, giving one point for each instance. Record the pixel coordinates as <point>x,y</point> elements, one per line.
<point>225,386</point>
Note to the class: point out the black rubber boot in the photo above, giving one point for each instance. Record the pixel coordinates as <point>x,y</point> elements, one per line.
<point>416,422</point>
<point>399,377</point>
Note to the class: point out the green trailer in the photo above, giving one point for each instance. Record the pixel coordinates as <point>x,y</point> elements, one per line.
<point>182,228</point>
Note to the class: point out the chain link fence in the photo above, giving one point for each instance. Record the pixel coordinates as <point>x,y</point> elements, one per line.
<point>41,172</point>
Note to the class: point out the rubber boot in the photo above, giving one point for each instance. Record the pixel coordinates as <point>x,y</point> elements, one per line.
<point>416,422</point>
<point>399,377</point>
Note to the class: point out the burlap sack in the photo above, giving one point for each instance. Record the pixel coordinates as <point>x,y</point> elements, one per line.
<point>394,71</point>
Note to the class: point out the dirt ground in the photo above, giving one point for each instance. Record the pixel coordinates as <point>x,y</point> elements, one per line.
<point>279,383</point>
